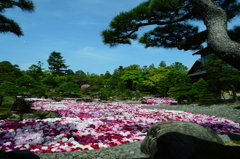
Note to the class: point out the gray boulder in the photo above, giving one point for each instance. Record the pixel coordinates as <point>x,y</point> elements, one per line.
<point>20,105</point>
<point>52,115</point>
<point>13,116</point>
<point>30,116</point>
<point>177,139</point>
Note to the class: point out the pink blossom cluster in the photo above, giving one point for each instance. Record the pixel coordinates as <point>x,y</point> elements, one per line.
<point>95,125</point>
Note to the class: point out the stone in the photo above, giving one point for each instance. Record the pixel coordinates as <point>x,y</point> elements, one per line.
<point>19,154</point>
<point>177,139</point>
<point>20,105</point>
<point>52,115</point>
<point>30,116</point>
<point>35,114</point>
<point>12,116</point>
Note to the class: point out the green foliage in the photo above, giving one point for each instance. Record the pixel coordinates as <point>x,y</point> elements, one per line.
<point>35,71</point>
<point>25,81</point>
<point>181,89</point>
<point>86,91</point>
<point>203,93</point>
<point>6,104</point>
<point>9,25</point>
<point>8,88</point>
<point>162,64</point>
<point>40,90</point>
<point>9,72</point>
<point>221,75</point>
<point>51,81</point>
<point>57,63</point>
<point>238,98</point>
<point>104,94</point>
<point>69,87</point>
<point>179,66</point>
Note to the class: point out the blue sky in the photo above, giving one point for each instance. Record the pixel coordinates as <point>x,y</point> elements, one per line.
<point>73,28</point>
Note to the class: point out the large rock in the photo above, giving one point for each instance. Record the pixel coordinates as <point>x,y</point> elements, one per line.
<point>21,106</point>
<point>177,139</point>
<point>19,154</point>
<point>30,116</point>
<point>14,117</point>
<point>35,114</point>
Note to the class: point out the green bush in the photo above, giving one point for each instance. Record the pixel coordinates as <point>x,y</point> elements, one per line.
<point>104,94</point>
<point>203,94</point>
<point>86,91</point>
<point>129,94</point>
<point>238,97</point>
<point>7,104</point>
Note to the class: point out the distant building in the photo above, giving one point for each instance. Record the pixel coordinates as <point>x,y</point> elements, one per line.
<point>196,72</point>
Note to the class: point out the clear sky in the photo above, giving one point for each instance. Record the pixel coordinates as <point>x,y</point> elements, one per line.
<point>73,28</point>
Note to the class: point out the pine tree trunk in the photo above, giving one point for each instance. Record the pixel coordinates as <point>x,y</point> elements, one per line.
<point>215,19</point>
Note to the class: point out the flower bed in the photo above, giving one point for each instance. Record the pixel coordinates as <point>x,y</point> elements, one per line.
<point>95,125</point>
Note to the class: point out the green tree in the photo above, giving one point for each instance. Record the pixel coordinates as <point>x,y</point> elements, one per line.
<point>69,72</point>
<point>9,25</point>
<point>174,28</point>
<point>80,77</point>
<point>132,76</point>
<point>221,75</point>
<point>9,72</point>
<point>50,81</point>
<point>179,66</point>
<point>202,93</point>
<point>95,79</point>
<point>162,64</point>
<point>35,71</point>
<point>57,64</point>
<point>26,81</point>
<point>151,67</point>
<point>156,81</point>
<point>69,87</point>
<point>8,89</point>
<point>40,90</point>
<point>181,89</point>
<point>107,75</point>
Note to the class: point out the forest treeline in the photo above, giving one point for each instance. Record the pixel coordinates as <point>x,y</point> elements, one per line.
<point>162,81</point>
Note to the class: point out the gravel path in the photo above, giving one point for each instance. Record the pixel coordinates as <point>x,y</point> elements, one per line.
<point>231,112</point>
<point>132,150</point>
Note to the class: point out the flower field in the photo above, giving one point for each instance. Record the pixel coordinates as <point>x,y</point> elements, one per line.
<point>87,126</point>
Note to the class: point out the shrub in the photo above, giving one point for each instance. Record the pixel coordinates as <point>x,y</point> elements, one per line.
<point>7,104</point>
<point>129,94</point>
<point>203,93</point>
<point>238,97</point>
<point>86,91</point>
<point>104,94</point>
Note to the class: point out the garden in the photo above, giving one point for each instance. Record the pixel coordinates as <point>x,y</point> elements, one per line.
<point>95,125</point>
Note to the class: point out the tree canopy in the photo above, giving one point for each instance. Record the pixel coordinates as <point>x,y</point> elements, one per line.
<point>9,25</point>
<point>175,28</point>
<point>57,63</point>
